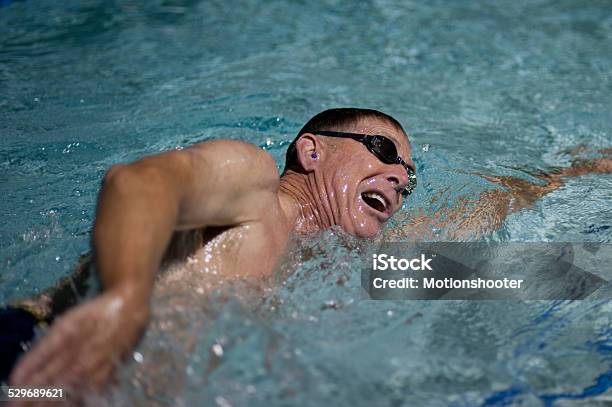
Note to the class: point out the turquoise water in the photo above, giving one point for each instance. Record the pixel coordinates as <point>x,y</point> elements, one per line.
<point>496,88</point>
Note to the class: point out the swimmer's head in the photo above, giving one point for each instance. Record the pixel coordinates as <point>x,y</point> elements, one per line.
<point>357,188</point>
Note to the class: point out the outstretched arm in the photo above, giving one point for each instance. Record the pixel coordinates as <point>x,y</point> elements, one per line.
<point>219,183</point>
<point>470,218</point>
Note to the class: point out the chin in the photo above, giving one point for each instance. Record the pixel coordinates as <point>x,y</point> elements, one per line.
<point>366,230</point>
<point>368,234</point>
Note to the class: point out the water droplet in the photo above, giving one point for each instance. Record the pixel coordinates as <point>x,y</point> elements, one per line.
<point>57,258</point>
<point>222,402</point>
<point>138,357</point>
<point>217,350</point>
<point>425,147</point>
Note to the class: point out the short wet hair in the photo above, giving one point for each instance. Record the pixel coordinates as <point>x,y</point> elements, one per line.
<point>338,119</point>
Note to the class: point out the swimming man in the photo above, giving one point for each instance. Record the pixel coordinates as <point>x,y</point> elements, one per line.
<point>347,167</point>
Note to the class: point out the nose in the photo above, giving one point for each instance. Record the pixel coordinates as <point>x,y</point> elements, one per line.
<point>397,176</point>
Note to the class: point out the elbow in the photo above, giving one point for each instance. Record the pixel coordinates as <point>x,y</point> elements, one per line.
<point>137,182</point>
<point>119,178</point>
<point>113,173</point>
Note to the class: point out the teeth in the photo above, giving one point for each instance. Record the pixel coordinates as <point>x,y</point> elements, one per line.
<point>376,196</point>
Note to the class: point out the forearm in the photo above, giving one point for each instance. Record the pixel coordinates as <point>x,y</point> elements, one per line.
<point>137,212</point>
<point>520,194</point>
<point>470,218</point>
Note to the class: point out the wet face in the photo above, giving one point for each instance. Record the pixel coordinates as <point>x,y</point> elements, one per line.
<point>364,192</point>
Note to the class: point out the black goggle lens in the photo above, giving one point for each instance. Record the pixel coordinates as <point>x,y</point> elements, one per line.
<point>385,150</point>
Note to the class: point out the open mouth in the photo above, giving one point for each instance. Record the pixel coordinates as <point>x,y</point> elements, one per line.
<point>375,200</point>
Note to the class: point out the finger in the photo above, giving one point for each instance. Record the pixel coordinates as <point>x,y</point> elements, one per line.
<point>81,363</point>
<point>72,360</point>
<point>54,370</point>
<point>102,375</point>
<point>83,383</point>
<point>98,363</point>
<point>30,363</point>
<point>35,361</point>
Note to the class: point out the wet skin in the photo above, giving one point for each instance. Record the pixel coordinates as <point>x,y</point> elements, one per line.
<point>226,185</point>
<point>234,189</point>
<point>344,171</point>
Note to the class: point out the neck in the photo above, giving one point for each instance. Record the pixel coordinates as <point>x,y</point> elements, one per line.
<point>302,203</point>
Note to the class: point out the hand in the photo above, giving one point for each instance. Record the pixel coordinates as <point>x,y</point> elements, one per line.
<point>83,347</point>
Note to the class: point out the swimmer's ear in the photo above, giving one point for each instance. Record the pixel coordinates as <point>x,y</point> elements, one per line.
<point>308,152</point>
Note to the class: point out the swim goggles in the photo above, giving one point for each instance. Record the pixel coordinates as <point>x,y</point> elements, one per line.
<point>382,147</point>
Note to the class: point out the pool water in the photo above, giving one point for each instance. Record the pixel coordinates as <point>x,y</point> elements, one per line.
<point>500,88</point>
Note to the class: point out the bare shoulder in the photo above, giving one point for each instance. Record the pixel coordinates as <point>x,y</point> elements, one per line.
<point>226,183</point>
<point>238,161</point>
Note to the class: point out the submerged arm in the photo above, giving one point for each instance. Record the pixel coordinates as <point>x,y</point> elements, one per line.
<point>470,218</point>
